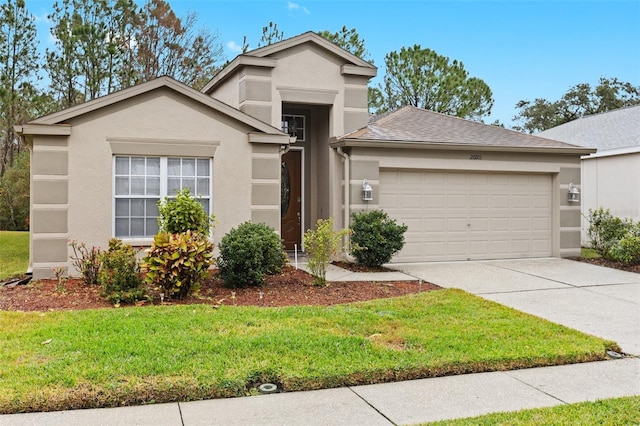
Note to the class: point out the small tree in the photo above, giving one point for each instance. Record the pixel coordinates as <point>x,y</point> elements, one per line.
<point>375,237</point>
<point>321,246</point>
<point>183,213</point>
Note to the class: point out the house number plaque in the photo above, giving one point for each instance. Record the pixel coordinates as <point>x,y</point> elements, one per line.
<point>475,157</point>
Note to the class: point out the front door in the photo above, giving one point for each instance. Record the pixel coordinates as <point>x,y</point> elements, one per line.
<point>291,199</point>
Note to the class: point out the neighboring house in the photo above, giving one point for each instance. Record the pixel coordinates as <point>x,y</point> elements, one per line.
<point>611,176</point>
<point>466,190</point>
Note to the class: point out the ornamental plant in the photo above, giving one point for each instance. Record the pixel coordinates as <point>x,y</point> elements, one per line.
<point>119,274</point>
<point>605,230</point>
<point>178,263</point>
<point>375,237</point>
<point>183,213</point>
<point>247,253</point>
<point>627,249</point>
<point>86,260</point>
<point>321,247</point>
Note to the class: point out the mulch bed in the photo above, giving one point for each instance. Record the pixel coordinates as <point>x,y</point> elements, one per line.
<point>609,264</point>
<point>291,287</point>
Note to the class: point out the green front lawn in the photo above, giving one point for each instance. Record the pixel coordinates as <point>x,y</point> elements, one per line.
<point>607,412</point>
<point>14,253</point>
<point>110,357</point>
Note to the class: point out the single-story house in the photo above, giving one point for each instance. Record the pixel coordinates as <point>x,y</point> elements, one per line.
<point>611,176</point>
<point>282,136</point>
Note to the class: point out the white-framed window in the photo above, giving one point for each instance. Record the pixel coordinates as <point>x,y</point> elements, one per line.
<point>140,182</point>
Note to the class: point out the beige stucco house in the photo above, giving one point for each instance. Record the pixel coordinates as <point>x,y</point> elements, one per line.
<point>282,136</point>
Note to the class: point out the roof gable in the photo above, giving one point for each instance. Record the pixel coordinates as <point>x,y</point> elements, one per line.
<point>413,126</point>
<point>262,57</point>
<point>309,37</point>
<point>160,82</point>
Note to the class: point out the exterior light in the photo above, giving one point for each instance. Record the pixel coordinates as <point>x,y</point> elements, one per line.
<point>367,191</point>
<point>574,194</point>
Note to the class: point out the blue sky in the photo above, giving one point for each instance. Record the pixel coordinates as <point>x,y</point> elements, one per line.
<point>521,49</point>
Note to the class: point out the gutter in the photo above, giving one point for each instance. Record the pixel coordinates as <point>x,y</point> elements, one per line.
<point>372,143</point>
<point>347,184</point>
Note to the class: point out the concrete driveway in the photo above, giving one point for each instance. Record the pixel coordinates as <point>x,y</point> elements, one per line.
<point>600,301</point>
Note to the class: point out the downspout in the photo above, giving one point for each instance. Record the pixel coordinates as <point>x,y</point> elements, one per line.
<point>347,184</point>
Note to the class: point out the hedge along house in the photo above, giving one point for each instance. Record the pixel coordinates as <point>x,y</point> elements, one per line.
<point>466,190</point>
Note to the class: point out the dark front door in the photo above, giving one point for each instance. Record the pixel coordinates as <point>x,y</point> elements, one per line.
<point>291,199</point>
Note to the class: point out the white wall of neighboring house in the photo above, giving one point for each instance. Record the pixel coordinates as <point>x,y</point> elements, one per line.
<point>611,179</point>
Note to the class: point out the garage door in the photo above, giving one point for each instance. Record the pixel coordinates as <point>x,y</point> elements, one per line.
<point>468,215</point>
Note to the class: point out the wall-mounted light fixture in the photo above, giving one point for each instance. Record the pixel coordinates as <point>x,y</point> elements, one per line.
<point>574,194</point>
<point>367,191</point>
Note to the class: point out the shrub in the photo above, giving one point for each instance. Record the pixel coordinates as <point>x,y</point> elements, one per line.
<point>183,213</point>
<point>118,274</point>
<point>178,263</point>
<point>605,230</point>
<point>627,249</point>
<point>247,253</point>
<point>86,261</point>
<point>375,237</point>
<point>321,246</point>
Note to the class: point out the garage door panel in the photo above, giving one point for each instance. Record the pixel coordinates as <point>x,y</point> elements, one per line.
<point>457,201</point>
<point>459,216</point>
<point>499,201</point>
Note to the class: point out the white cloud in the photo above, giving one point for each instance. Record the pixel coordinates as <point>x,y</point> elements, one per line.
<point>234,47</point>
<point>295,6</point>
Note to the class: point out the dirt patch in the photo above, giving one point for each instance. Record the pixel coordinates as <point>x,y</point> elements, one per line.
<point>291,287</point>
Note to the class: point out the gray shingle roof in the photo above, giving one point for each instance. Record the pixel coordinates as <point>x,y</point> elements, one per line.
<point>619,128</point>
<point>411,124</point>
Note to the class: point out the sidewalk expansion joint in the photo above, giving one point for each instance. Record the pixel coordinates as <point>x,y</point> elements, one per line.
<point>535,388</point>
<point>180,411</point>
<point>370,405</point>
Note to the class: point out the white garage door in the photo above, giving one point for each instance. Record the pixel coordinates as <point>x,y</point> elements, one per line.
<point>468,215</point>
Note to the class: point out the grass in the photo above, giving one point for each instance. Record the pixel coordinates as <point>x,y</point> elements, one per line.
<point>14,253</point>
<point>607,412</point>
<point>589,253</point>
<point>110,357</point>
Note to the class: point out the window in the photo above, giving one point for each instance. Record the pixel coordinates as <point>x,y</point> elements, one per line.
<point>294,125</point>
<point>140,182</point>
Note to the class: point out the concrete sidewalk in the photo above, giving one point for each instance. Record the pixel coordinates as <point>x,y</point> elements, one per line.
<point>397,403</point>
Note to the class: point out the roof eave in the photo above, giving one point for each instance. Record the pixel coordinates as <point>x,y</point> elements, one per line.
<point>425,145</point>
<point>43,129</point>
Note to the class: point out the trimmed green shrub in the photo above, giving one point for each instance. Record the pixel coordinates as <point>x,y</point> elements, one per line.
<point>627,250</point>
<point>375,237</point>
<point>118,274</point>
<point>247,253</point>
<point>605,230</point>
<point>183,213</point>
<point>86,261</point>
<point>178,263</point>
<point>321,246</point>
